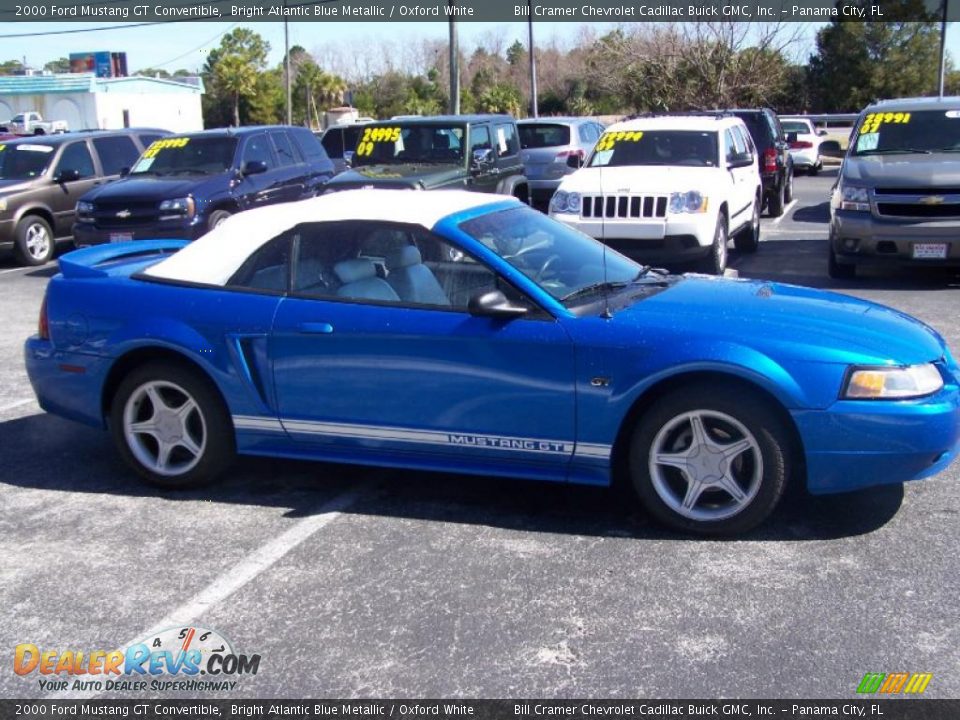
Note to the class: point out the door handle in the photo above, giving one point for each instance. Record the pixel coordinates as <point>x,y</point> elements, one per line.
<point>315,328</point>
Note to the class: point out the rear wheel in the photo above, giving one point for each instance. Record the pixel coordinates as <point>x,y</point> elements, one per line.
<point>748,239</point>
<point>34,241</point>
<point>788,186</point>
<point>710,460</point>
<point>716,262</point>
<point>839,271</point>
<point>171,426</point>
<point>775,202</point>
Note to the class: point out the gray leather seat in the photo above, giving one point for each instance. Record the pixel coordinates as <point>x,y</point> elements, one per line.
<point>360,281</point>
<point>412,280</point>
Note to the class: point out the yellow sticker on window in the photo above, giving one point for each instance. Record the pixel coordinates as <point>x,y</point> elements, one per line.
<point>2,147</point>
<point>873,121</point>
<point>374,135</point>
<point>158,145</point>
<point>609,139</point>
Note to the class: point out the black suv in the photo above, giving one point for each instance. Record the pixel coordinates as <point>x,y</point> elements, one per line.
<point>444,152</point>
<point>773,150</point>
<point>42,177</point>
<point>184,185</point>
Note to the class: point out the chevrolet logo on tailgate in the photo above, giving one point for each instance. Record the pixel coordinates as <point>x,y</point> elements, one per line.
<point>933,200</point>
<point>124,214</point>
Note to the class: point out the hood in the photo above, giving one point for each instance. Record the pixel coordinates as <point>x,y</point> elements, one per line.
<point>16,185</point>
<point>904,171</point>
<point>152,188</point>
<point>659,179</point>
<point>400,175</point>
<point>786,321</point>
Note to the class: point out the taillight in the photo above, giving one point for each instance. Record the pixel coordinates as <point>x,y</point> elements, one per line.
<point>770,160</point>
<point>43,326</point>
<point>801,145</point>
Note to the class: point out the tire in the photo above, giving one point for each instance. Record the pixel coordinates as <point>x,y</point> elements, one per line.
<point>788,186</point>
<point>838,271</point>
<point>34,241</point>
<point>184,446</point>
<point>748,239</point>
<point>716,261</point>
<point>216,218</point>
<point>815,168</point>
<point>741,460</point>
<point>775,202</point>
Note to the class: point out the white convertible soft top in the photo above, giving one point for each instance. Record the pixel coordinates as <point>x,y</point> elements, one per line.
<point>214,258</point>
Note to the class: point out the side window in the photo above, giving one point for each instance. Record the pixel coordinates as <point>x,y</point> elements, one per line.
<point>268,268</point>
<point>76,156</point>
<point>285,152</point>
<point>745,140</point>
<point>116,153</point>
<point>730,145</point>
<point>333,143</point>
<point>308,145</point>
<point>479,138</point>
<point>775,130</point>
<point>506,140</point>
<point>257,148</point>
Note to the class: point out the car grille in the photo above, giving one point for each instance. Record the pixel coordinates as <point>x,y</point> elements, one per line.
<point>917,202</point>
<point>111,216</point>
<point>623,206</point>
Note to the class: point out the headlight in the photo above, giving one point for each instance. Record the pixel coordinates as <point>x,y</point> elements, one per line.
<point>558,203</point>
<point>84,208</point>
<point>573,202</point>
<point>877,383</point>
<point>853,197</point>
<point>178,208</point>
<point>687,202</point>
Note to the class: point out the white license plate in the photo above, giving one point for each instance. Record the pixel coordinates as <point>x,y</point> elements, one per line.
<point>929,251</point>
<point>120,237</point>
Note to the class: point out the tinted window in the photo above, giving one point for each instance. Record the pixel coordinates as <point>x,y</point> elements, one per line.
<point>24,160</point>
<point>308,145</point>
<point>406,144</point>
<point>903,132</point>
<point>655,147</point>
<point>285,152</point>
<point>187,155</point>
<point>76,156</point>
<point>758,128</point>
<point>506,140</point>
<point>479,137</point>
<point>352,135</point>
<point>148,138</point>
<point>546,135</point>
<point>257,149</point>
<point>116,153</point>
<point>333,142</point>
<point>795,126</point>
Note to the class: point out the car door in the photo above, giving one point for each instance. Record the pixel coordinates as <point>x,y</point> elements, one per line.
<point>290,175</point>
<point>363,364</point>
<point>257,189</point>
<point>68,188</point>
<point>740,189</point>
<point>482,178</point>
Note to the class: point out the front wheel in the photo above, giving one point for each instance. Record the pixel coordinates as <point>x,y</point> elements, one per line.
<point>171,426</point>
<point>839,271</point>
<point>716,262</point>
<point>710,460</point>
<point>34,241</point>
<point>217,218</point>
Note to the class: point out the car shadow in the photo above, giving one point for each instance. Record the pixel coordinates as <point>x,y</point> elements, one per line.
<point>812,213</point>
<point>44,452</point>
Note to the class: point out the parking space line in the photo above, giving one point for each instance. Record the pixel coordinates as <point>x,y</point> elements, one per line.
<point>246,570</point>
<point>786,211</point>
<point>18,403</point>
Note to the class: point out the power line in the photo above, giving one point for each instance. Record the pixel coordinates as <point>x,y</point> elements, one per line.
<point>205,42</point>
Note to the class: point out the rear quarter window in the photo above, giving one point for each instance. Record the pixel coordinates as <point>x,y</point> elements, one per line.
<point>310,148</point>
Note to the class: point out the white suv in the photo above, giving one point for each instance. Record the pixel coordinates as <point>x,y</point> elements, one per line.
<point>668,188</point>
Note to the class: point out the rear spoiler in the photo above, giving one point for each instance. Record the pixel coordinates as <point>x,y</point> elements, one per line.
<point>83,263</point>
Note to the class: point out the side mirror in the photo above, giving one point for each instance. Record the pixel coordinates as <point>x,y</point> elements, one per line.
<point>481,159</point>
<point>255,167</point>
<point>739,160</point>
<point>124,171</point>
<point>66,175</point>
<point>831,148</point>
<point>493,303</point>
<point>791,137</point>
<point>575,161</point>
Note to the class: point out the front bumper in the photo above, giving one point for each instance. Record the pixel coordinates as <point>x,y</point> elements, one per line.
<point>857,444</point>
<point>85,234</point>
<point>68,384</point>
<point>862,238</point>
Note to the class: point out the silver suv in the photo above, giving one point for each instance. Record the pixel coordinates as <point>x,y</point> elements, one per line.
<point>897,197</point>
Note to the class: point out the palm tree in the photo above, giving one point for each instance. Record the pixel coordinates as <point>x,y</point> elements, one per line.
<point>237,76</point>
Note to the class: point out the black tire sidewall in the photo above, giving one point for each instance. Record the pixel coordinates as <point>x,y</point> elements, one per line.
<point>775,203</point>
<point>711,264</point>
<point>755,414</point>
<point>21,241</point>
<point>220,445</point>
<point>217,216</point>
<point>748,240</point>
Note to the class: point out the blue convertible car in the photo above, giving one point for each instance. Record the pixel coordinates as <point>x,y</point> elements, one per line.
<point>453,331</point>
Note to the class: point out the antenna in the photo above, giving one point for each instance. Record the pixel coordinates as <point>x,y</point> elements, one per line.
<point>606,314</point>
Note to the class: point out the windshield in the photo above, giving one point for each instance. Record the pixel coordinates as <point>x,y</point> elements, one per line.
<point>418,143</point>
<point>561,260</point>
<point>187,156</point>
<point>655,147</point>
<point>23,161</point>
<point>921,131</point>
<point>543,135</point>
<point>795,126</point>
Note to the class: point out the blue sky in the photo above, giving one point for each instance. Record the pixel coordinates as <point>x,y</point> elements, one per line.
<point>183,45</point>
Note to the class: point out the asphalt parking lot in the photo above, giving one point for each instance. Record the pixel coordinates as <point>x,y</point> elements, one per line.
<point>363,582</point>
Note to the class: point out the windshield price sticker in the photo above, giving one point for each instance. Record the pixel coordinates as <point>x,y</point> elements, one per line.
<point>2,147</point>
<point>376,135</point>
<point>873,121</point>
<point>609,139</point>
<point>159,145</point>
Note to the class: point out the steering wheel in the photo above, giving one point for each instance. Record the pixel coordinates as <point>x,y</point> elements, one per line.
<point>546,266</point>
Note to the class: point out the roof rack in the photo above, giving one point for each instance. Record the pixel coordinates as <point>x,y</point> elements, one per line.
<point>718,114</point>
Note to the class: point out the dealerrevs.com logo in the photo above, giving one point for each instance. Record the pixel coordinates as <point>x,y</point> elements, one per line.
<point>894,683</point>
<point>180,659</point>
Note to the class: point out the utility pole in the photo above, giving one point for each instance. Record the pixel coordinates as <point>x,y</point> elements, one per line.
<point>286,64</point>
<point>943,45</point>
<point>533,61</point>
<point>454,65</point>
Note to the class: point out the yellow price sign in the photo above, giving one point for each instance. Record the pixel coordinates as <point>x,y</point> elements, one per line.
<point>609,139</point>
<point>873,121</point>
<point>2,147</point>
<point>373,135</point>
<point>158,145</point>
